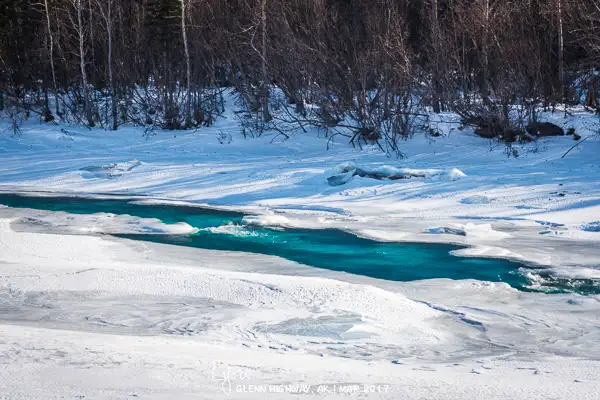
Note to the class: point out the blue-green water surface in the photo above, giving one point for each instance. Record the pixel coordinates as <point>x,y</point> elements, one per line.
<point>324,248</point>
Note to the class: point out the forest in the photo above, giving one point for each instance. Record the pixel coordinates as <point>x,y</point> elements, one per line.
<point>372,67</point>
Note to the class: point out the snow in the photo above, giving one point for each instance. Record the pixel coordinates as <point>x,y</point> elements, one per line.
<point>233,229</point>
<point>101,317</point>
<point>475,200</point>
<point>110,318</point>
<point>482,231</point>
<point>343,173</point>
<point>99,223</point>
<point>109,171</point>
<point>268,220</point>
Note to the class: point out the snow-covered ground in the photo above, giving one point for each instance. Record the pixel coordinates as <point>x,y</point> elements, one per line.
<point>99,317</point>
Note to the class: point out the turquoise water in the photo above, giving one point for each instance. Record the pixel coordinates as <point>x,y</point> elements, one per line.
<point>327,248</point>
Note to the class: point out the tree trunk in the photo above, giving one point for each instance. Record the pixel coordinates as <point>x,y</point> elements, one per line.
<point>47,117</point>
<point>590,98</point>
<point>166,82</point>
<point>188,71</point>
<point>435,38</point>
<point>51,48</point>
<point>561,66</point>
<point>485,87</point>
<point>265,83</point>
<point>84,82</point>
<point>113,94</point>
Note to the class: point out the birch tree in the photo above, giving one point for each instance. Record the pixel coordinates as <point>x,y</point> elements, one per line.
<point>265,80</point>
<point>485,79</point>
<point>51,55</point>
<point>77,23</point>
<point>188,67</point>
<point>107,14</point>
<point>561,51</point>
<point>436,44</point>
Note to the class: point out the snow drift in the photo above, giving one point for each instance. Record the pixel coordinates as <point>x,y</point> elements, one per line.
<point>345,172</point>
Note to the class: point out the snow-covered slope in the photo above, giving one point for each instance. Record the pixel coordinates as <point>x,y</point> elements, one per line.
<point>106,318</point>
<point>87,316</point>
<point>545,206</point>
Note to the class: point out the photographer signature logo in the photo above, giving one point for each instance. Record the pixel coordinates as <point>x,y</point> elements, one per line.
<point>227,376</point>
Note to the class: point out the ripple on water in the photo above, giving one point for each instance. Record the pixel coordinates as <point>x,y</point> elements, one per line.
<point>323,248</point>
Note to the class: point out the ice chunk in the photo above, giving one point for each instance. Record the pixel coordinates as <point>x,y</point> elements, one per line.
<point>266,220</point>
<point>346,171</point>
<point>591,226</point>
<point>341,179</point>
<point>448,231</point>
<point>475,200</point>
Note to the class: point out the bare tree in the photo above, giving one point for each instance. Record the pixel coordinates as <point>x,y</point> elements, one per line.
<point>188,67</point>
<point>561,51</point>
<point>265,80</point>
<point>437,64</point>
<point>51,55</point>
<point>77,24</point>
<point>107,14</point>
<point>352,67</point>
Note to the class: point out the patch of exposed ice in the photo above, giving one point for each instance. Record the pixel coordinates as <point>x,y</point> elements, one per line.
<point>327,326</point>
<point>591,226</point>
<point>341,179</point>
<point>109,171</point>
<point>447,231</point>
<point>475,200</point>
<point>478,231</point>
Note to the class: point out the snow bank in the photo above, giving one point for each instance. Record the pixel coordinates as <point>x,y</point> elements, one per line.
<point>179,319</point>
<point>482,329</point>
<point>115,270</point>
<point>100,223</point>
<point>182,203</point>
<point>300,221</point>
<point>493,252</point>
<point>345,172</point>
<point>382,235</point>
<point>477,231</point>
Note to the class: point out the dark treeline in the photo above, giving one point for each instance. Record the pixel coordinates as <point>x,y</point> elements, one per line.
<point>368,64</point>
